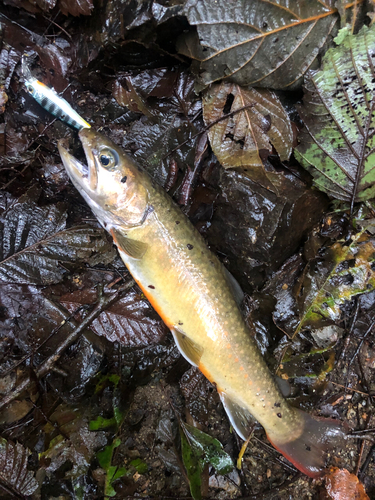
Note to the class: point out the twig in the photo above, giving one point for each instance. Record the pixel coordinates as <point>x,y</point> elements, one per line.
<point>210,125</point>
<point>355,434</point>
<point>350,389</point>
<point>357,351</point>
<point>347,339</point>
<point>34,351</point>
<point>52,21</point>
<point>356,471</point>
<point>272,451</point>
<point>366,463</point>
<point>45,367</point>
<point>5,186</point>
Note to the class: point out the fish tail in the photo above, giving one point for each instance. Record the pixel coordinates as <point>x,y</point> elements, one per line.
<point>308,452</point>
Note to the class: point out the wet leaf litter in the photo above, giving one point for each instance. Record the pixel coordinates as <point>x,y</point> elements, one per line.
<point>149,375</point>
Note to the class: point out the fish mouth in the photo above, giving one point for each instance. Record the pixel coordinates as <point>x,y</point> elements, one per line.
<point>84,177</point>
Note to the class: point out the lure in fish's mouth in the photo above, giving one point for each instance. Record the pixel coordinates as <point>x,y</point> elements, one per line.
<point>112,184</point>
<point>84,177</point>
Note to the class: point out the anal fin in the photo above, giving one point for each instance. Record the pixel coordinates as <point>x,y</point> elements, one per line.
<point>235,287</point>
<point>240,418</point>
<point>134,248</point>
<point>190,350</point>
<point>284,386</point>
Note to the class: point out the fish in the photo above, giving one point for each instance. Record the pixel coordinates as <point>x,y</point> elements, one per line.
<point>196,297</point>
<point>50,100</point>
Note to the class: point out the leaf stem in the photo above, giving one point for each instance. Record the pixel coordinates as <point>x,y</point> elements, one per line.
<point>42,370</point>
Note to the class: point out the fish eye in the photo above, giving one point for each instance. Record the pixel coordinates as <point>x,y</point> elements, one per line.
<point>108,158</point>
<point>30,89</point>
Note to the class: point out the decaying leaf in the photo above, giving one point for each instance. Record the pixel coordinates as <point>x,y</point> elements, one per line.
<point>170,105</point>
<point>130,321</point>
<point>34,241</point>
<point>200,399</point>
<point>341,485</point>
<point>246,137</point>
<point>38,263</point>
<point>76,7</point>
<point>127,96</point>
<point>21,406</point>
<point>13,468</point>
<point>8,60</point>
<point>258,43</point>
<point>264,222</point>
<point>342,273</point>
<point>73,442</point>
<point>337,145</point>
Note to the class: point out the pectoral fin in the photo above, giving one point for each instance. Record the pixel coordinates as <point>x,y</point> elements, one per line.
<point>240,418</point>
<point>190,350</point>
<point>133,248</point>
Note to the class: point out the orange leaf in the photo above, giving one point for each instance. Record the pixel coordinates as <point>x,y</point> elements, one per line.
<point>341,485</point>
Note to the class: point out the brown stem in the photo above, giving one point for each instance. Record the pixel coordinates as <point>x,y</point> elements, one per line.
<point>46,366</point>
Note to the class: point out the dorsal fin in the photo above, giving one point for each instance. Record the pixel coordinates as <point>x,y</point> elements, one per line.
<point>190,350</point>
<point>133,248</point>
<point>235,287</point>
<point>241,419</point>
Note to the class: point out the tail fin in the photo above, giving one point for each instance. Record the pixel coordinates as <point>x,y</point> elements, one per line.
<point>308,451</point>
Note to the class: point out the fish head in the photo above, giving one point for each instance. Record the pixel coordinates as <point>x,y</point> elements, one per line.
<point>112,184</point>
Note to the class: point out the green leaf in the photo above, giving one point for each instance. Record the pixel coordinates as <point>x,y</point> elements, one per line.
<point>199,449</point>
<point>112,472</point>
<point>194,467</point>
<point>105,456</point>
<point>344,272</point>
<point>140,466</point>
<point>210,448</point>
<point>109,377</point>
<point>101,423</point>
<point>337,145</point>
<point>258,42</point>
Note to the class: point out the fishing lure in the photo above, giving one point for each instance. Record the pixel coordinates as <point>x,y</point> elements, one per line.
<point>50,100</point>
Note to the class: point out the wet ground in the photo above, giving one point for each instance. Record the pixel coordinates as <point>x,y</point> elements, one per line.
<point>94,388</point>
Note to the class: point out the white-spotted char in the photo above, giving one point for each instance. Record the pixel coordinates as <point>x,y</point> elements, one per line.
<point>195,296</point>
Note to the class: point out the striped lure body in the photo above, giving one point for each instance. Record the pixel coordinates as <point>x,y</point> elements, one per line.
<point>51,101</point>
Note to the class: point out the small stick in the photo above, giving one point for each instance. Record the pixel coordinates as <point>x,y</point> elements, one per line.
<point>359,458</point>
<point>350,389</point>
<point>357,352</point>
<point>34,351</point>
<point>366,463</point>
<point>210,125</point>
<point>46,366</point>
